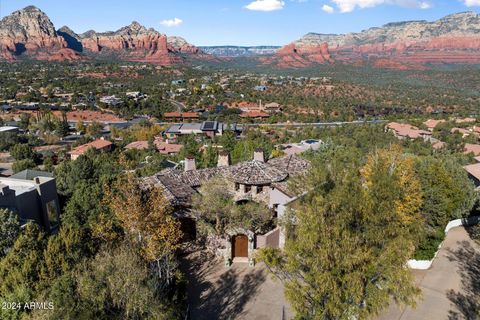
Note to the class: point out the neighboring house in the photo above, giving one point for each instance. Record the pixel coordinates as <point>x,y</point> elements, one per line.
<point>256,180</point>
<point>465,132</point>
<point>137,145</point>
<point>406,131</point>
<point>166,147</point>
<point>297,148</point>
<point>472,148</point>
<point>178,82</point>
<point>9,129</point>
<point>473,171</point>
<point>465,120</point>
<point>432,123</point>
<point>438,145</point>
<point>181,116</point>
<point>260,88</point>
<point>137,95</point>
<point>33,196</point>
<point>254,115</point>
<point>272,107</point>
<point>111,100</point>
<point>99,144</point>
<point>208,128</point>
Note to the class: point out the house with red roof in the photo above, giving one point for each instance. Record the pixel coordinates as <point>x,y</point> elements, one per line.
<point>432,123</point>
<point>472,148</point>
<point>254,115</point>
<point>99,144</point>
<point>406,131</point>
<point>137,145</point>
<point>181,116</point>
<point>473,171</point>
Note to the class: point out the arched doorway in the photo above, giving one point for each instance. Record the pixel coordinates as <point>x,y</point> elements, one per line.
<point>240,246</point>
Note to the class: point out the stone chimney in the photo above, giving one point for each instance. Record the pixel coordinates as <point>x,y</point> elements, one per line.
<point>190,164</point>
<point>223,159</point>
<point>258,155</point>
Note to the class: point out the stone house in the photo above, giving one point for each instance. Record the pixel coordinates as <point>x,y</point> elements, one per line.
<point>257,180</point>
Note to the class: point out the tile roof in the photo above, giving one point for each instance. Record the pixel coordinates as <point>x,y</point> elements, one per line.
<point>473,170</point>
<point>432,123</point>
<point>406,130</point>
<point>168,148</point>
<point>179,185</point>
<point>472,148</point>
<point>97,144</point>
<point>138,145</point>
<point>254,114</point>
<point>181,115</point>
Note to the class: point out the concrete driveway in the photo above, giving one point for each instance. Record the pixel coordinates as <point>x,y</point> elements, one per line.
<point>238,292</point>
<point>451,287</point>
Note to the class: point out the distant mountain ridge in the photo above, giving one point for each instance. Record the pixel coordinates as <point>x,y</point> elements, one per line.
<point>239,51</point>
<point>30,33</point>
<point>454,38</point>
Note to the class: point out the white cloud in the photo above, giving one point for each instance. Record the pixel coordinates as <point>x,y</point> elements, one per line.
<point>424,5</point>
<point>350,5</point>
<point>266,5</point>
<point>471,3</point>
<point>327,8</point>
<point>175,22</point>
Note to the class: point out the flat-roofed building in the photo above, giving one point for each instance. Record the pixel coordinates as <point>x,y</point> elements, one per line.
<point>33,196</point>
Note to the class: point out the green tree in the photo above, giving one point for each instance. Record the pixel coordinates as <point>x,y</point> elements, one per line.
<point>228,140</point>
<point>24,121</point>
<point>448,194</point>
<point>215,205</point>
<point>348,240</point>
<point>209,157</point>
<point>61,126</point>
<point>9,230</point>
<point>22,151</point>
<point>20,269</point>
<point>24,164</point>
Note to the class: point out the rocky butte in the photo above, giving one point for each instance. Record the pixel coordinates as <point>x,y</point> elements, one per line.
<point>29,33</point>
<point>452,39</point>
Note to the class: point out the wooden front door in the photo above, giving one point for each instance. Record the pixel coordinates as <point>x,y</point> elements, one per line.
<point>240,246</point>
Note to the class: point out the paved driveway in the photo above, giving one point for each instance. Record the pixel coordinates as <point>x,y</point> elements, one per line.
<point>238,292</point>
<point>451,287</point>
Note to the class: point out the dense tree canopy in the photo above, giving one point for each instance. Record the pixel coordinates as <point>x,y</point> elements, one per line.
<point>349,238</point>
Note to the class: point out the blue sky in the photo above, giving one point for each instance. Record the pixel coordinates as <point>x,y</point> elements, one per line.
<point>240,22</point>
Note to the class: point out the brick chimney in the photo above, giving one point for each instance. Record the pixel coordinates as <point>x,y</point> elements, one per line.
<point>223,159</point>
<point>190,164</point>
<point>258,155</point>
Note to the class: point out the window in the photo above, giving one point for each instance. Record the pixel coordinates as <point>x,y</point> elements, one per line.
<point>275,212</point>
<point>52,213</point>
<point>237,186</point>
<point>259,189</point>
<point>247,188</point>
